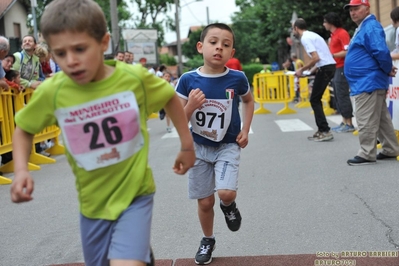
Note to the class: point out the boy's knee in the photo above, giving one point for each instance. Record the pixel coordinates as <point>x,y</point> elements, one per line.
<point>206,203</point>
<point>227,196</point>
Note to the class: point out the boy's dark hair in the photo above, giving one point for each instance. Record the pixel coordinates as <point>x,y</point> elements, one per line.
<point>75,16</point>
<point>300,23</point>
<point>162,68</point>
<point>221,26</point>
<point>395,14</point>
<point>333,19</point>
<point>11,74</point>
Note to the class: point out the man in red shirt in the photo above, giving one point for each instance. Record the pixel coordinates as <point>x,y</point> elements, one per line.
<point>339,43</point>
<point>234,63</point>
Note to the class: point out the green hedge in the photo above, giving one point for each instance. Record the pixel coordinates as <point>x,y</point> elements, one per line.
<point>251,70</point>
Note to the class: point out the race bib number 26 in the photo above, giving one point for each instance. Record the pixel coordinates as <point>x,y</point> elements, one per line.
<point>102,132</point>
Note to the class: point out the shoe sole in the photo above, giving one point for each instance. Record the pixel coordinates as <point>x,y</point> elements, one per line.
<point>387,158</point>
<point>357,164</point>
<point>324,139</point>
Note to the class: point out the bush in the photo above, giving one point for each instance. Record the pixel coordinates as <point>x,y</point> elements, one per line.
<point>168,60</point>
<point>251,70</point>
<point>194,63</point>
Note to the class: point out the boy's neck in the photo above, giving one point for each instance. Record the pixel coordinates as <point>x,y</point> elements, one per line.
<point>208,70</point>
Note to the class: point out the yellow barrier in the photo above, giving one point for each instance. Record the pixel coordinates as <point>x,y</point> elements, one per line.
<point>325,99</point>
<point>303,93</point>
<point>275,87</point>
<point>12,101</point>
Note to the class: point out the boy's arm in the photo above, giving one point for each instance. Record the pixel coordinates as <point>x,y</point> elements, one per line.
<point>247,114</point>
<point>196,98</point>
<point>186,157</point>
<point>22,186</point>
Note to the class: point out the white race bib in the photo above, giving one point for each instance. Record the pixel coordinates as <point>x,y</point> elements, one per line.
<point>102,132</point>
<point>212,119</point>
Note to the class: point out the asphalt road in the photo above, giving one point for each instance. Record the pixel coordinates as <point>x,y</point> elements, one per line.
<point>295,196</point>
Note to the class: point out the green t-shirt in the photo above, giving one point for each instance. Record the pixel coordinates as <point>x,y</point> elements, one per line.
<point>105,133</point>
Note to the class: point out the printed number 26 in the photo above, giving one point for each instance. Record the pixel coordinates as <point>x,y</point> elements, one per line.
<point>113,135</point>
<point>201,119</point>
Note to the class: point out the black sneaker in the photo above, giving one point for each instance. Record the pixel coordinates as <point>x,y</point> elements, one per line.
<point>204,253</point>
<point>359,161</point>
<point>382,156</point>
<point>232,216</point>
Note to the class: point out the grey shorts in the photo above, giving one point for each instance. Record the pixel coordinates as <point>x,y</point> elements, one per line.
<point>127,238</point>
<point>215,168</point>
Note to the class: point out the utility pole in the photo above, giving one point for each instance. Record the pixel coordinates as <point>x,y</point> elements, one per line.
<point>33,4</point>
<point>114,24</point>
<point>178,41</point>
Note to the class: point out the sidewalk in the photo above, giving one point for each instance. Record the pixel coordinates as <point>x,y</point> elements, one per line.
<point>278,260</point>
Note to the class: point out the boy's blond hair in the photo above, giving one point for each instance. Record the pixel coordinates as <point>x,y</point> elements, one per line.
<point>74,15</point>
<point>41,51</point>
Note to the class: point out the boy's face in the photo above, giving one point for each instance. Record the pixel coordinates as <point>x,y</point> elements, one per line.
<point>79,55</point>
<point>217,47</point>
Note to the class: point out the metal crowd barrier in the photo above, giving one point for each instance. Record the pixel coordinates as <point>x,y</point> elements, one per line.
<point>12,101</point>
<point>274,87</point>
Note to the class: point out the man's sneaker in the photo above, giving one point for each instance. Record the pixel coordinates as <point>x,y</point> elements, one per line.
<point>345,129</point>
<point>338,127</point>
<point>382,156</point>
<point>232,216</point>
<point>359,161</point>
<point>204,253</point>
<point>321,136</point>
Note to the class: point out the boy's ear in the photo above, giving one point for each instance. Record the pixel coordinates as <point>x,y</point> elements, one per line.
<point>105,42</point>
<point>199,47</point>
<point>233,51</point>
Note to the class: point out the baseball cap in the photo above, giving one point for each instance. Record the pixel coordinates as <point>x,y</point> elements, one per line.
<point>357,3</point>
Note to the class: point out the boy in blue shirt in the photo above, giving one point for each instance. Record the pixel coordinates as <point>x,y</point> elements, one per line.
<point>210,96</point>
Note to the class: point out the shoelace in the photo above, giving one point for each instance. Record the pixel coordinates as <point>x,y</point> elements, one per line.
<point>204,249</point>
<point>231,216</point>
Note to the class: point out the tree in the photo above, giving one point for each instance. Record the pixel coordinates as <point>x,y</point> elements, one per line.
<point>262,26</point>
<point>189,48</point>
<point>150,9</point>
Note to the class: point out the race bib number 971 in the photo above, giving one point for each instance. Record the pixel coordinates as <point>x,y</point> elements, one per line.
<point>102,132</point>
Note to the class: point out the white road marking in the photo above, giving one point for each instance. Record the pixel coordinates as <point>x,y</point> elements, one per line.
<point>292,125</point>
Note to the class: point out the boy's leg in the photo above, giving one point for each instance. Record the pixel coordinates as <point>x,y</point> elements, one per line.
<point>125,241</point>
<point>226,172</point>
<point>201,186</point>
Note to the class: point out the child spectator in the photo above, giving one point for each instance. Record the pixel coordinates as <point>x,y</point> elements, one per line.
<point>166,76</point>
<point>102,109</point>
<point>13,79</point>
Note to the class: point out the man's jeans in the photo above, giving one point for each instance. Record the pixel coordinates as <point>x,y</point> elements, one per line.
<point>322,78</point>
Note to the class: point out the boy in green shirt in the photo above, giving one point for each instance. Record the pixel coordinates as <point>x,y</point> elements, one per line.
<point>102,110</point>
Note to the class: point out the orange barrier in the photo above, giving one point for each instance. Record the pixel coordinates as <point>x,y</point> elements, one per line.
<point>12,101</point>
<point>275,87</point>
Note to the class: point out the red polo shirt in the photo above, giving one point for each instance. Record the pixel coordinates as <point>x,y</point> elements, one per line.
<point>339,42</point>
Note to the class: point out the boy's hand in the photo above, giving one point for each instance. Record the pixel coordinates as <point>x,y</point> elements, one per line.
<point>196,98</point>
<point>22,188</point>
<point>184,161</point>
<point>242,139</point>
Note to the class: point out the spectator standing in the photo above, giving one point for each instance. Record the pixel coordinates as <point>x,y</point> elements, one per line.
<point>27,63</point>
<point>368,66</point>
<point>395,23</point>
<point>339,43</point>
<point>320,56</point>
<point>107,153</point>
<point>129,57</point>
<point>41,51</point>
<point>120,56</point>
<point>209,95</point>
<point>234,63</point>
<point>4,48</point>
